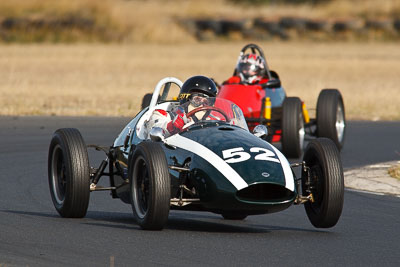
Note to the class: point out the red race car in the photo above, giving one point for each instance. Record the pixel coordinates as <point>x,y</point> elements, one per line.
<point>258,92</point>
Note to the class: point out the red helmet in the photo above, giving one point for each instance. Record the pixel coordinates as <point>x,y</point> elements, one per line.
<point>250,68</point>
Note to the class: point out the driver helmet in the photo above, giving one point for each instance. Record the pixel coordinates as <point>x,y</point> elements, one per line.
<point>250,68</point>
<point>197,90</point>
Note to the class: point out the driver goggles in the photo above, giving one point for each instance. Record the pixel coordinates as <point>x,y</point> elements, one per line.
<point>248,69</point>
<point>199,99</point>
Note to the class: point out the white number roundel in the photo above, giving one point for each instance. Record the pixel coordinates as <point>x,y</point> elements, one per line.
<point>234,155</point>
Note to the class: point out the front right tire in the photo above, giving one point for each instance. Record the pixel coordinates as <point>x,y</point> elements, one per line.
<point>68,173</point>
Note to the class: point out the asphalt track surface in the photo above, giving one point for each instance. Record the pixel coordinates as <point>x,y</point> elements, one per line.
<point>32,233</point>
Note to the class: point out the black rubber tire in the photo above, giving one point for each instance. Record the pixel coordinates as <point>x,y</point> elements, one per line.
<point>234,216</point>
<point>292,123</point>
<point>68,173</point>
<point>146,100</point>
<point>331,119</point>
<point>150,186</point>
<point>327,180</point>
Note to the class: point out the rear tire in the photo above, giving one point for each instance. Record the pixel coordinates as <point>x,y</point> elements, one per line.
<point>326,183</point>
<point>150,186</point>
<point>146,100</point>
<point>292,128</point>
<point>68,173</point>
<point>331,120</point>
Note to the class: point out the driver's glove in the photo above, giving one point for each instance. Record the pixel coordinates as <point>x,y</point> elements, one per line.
<point>178,122</point>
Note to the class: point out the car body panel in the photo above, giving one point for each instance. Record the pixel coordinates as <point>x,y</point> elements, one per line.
<point>249,97</point>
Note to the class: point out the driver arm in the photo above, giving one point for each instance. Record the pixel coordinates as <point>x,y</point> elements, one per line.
<point>178,122</point>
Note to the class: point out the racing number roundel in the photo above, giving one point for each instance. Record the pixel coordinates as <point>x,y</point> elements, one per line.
<point>234,155</point>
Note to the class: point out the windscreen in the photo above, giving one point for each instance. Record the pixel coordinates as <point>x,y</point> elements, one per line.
<point>208,110</point>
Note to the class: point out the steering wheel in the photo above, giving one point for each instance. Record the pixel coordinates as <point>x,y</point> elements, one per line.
<point>194,111</point>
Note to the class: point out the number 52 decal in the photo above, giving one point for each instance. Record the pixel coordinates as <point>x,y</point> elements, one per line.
<point>234,155</point>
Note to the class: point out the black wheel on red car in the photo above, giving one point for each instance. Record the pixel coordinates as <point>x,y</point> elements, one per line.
<point>325,182</point>
<point>150,186</point>
<point>146,100</point>
<point>68,173</point>
<point>292,127</point>
<point>234,216</point>
<point>331,120</point>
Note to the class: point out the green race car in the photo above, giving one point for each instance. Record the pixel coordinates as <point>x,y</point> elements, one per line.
<point>211,165</point>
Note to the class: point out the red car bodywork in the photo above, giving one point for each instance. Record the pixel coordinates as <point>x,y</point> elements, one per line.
<point>251,99</point>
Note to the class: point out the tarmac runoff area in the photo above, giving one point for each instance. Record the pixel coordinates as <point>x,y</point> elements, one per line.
<point>373,178</point>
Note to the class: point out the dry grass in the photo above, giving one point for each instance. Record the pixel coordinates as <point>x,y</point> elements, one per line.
<point>155,20</point>
<point>111,79</point>
<point>394,171</point>
<point>362,8</point>
<point>135,10</point>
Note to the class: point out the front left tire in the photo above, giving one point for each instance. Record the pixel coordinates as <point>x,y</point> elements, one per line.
<point>150,186</point>
<point>325,182</point>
